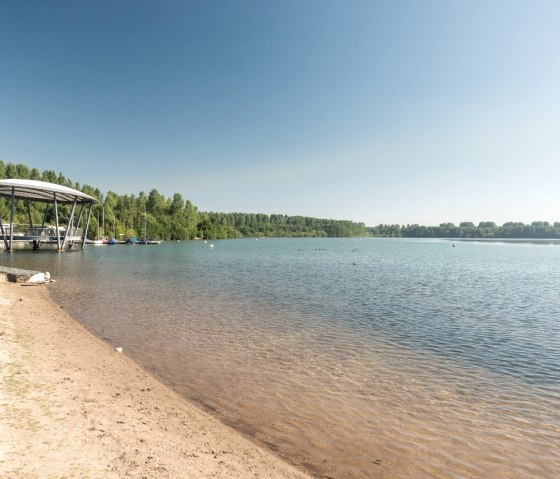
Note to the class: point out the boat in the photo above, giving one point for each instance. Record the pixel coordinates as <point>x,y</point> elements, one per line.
<point>96,242</point>
<point>14,236</point>
<point>100,241</point>
<point>145,239</point>
<point>40,237</point>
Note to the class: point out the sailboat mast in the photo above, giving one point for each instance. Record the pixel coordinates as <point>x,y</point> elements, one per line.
<point>145,224</point>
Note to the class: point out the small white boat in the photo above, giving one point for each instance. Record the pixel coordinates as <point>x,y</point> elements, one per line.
<point>97,242</point>
<point>145,239</point>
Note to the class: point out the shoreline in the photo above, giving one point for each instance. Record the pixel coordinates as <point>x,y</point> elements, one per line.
<point>71,406</point>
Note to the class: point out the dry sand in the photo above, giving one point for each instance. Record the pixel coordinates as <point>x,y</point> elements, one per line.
<point>71,406</point>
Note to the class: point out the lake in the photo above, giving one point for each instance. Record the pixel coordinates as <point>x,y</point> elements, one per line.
<point>351,358</point>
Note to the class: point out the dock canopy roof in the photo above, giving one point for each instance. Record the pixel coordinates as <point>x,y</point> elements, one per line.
<point>42,191</point>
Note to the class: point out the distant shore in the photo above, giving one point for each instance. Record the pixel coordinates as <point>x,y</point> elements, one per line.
<point>71,406</point>
<point>509,240</point>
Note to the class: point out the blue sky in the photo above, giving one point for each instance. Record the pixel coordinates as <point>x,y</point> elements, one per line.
<point>376,111</point>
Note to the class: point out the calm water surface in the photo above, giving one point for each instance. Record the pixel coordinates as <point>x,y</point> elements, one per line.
<point>350,358</point>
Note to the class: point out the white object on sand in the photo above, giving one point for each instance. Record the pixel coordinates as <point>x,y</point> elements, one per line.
<point>39,278</point>
<point>118,350</point>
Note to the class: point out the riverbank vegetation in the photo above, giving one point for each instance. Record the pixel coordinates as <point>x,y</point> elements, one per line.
<point>467,229</point>
<point>123,216</point>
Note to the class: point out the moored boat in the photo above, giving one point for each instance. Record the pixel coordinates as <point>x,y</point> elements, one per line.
<point>97,242</point>
<point>40,237</point>
<point>147,241</point>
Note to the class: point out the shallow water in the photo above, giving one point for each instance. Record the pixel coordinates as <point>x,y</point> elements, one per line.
<point>351,358</point>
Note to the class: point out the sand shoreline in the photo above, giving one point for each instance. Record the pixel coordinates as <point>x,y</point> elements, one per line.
<point>71,406</point>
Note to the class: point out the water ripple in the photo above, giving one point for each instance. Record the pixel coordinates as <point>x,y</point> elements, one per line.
<point>374,358</point>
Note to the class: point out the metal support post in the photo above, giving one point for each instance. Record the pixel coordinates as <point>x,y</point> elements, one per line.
<point>70,222</point>
<point>87,225</point>
<point>4,234</point>
<point>56,219</point>
<point>80,216</point>
<point>29,214</point>
<point>45,215</point>
<point>12,220</point>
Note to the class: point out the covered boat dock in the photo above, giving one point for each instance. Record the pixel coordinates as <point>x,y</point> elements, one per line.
<point>49,193</point>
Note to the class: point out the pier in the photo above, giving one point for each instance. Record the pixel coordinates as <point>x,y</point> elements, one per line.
<point>36,237</point>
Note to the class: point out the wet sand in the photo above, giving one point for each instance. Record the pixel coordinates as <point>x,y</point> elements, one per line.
<point>71,406</point>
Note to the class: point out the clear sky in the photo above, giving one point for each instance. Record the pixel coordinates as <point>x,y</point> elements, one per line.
<point>376,111</point>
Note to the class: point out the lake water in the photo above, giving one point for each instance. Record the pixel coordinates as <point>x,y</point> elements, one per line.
<point>350,358</point>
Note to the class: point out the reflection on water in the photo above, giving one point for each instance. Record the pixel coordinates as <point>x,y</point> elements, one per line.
<point>372,358</point>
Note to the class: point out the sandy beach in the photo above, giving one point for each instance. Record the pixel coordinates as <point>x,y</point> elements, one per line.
<point>71,406</point>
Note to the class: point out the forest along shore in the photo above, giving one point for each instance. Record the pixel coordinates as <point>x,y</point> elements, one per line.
<point>72,406</point>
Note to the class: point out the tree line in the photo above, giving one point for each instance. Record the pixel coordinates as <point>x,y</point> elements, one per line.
<point>123,216</point>
<point>174,218</point>
<point>467,229</point>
